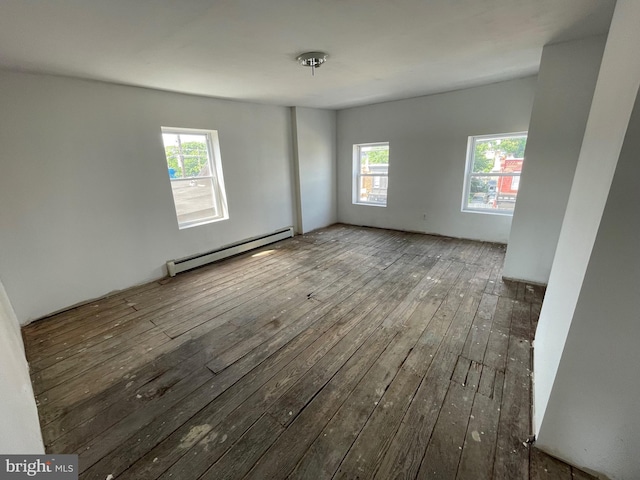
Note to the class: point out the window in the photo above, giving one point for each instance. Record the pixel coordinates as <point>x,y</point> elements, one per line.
<point>371,173</point>
<point>195,172</point>
<point>494,163</point>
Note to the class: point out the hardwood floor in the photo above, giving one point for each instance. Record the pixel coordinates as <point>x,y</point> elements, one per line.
<point>345,353</point>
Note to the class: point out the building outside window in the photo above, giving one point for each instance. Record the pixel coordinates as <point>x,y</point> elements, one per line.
<point>494,165</point>
<point>195,173</point>
<point>371,173</point>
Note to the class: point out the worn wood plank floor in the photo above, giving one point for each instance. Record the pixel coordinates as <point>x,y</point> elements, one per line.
<point>345,353</point>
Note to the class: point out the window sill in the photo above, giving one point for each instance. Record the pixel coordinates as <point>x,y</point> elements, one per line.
<point>200,223</point>
<point>487,212</point>
<point>370,204</point>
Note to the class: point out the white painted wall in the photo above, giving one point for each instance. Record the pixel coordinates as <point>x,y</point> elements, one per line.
<point>86,202</point>
<point>314,133</point>
<point>570,366</point>
<point>427,142</point>
<point>566,81</point>
<point>18,414</point>
<point>592,415</point>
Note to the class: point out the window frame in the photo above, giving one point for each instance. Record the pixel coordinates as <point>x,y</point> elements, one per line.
<point>357,174</point>
<point>216,177</point>
<point>469,174</point>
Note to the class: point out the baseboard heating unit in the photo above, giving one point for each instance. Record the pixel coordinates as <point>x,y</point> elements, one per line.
<point>176,266</point>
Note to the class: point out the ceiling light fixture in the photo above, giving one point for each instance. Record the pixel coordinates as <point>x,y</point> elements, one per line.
<point>313,60</point>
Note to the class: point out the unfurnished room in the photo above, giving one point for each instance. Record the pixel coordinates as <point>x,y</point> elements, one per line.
<point>384,239</point>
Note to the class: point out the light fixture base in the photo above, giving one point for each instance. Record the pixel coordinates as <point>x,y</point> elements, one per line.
<point>312,59</point>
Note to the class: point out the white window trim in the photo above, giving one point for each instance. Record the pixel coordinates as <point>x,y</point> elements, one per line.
<point>357,175</point>
<point>468,173</point>
<point>217,178</point>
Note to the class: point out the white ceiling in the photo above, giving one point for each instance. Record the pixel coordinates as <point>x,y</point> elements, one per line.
<point>245,49</point>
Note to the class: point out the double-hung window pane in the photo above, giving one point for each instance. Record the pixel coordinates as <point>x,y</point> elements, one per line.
<point>494,164</point>
<point>195,174</point>
<point>371,168</point>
